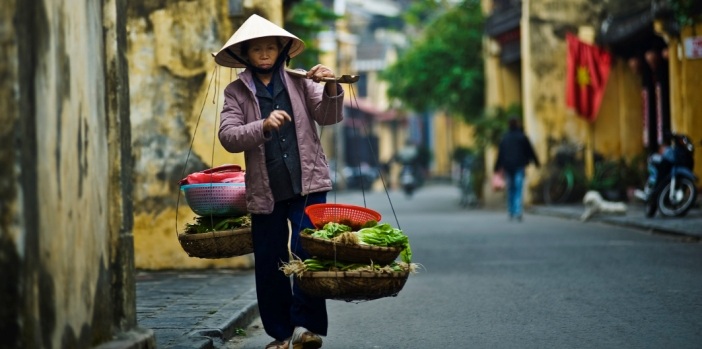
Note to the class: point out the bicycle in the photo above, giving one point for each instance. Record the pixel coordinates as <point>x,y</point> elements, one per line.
<point>468,196</point>
<point>559,185</point>
<point>566,181</point>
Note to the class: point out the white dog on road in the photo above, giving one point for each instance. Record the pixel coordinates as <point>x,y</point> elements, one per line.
<point>594,203</point>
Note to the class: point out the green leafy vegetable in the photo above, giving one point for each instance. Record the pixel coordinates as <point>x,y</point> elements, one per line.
<point>372,233</point>
<point>207,224</point>
<point>371,223</point>
<point>383,235</point>
<point>308,231</point>
<point>406,254</point>
<point>387,236</point>
<point>331,230</point>
<point>314,264</point>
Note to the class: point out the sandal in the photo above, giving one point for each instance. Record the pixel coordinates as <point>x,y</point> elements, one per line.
<point>304,339</point>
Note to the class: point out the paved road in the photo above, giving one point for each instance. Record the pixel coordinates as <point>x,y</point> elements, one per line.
<point>546,282</point>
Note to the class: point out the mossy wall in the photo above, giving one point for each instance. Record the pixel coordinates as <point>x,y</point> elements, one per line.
<point>176,94</point>
<point>686,80</point>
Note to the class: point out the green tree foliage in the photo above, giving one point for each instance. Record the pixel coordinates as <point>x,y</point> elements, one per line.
<point>492,124</point>
<point>423,11</point>
<point>305,20</point>
<point>444,68</point>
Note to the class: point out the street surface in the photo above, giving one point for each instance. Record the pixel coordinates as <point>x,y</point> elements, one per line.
<point>546,282</point>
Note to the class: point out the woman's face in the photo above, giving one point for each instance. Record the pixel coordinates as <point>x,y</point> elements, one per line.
<point>263,52</point>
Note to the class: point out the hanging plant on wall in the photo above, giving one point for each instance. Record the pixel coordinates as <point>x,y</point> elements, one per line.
<point>685,12</point>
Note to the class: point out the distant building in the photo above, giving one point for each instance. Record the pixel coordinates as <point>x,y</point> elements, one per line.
<point>648,91</point>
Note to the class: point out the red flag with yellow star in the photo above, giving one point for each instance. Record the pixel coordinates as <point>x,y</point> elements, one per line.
<point>586,76</point>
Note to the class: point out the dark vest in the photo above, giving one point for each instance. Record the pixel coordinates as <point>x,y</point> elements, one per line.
<point>282,153</point>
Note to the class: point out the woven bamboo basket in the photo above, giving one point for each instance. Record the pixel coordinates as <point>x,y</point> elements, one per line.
<point>218,244</point>
<point>327,249</point>
<point>351,285</point>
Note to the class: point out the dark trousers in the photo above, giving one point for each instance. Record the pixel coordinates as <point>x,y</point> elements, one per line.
<point>282,308</point>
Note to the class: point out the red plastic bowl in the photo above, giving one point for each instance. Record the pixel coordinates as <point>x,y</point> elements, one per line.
<point>351,215</point>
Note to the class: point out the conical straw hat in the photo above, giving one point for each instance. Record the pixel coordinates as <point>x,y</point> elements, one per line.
<point>255,27</point>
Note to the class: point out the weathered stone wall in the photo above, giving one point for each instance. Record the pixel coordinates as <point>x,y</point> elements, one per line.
<point>546,23</point>
<point>11,236</point>
<point>541,87</point>
<point>65,248</point>
<point>618,128</point>
<point>176,96</point>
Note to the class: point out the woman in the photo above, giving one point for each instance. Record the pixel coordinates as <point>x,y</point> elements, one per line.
<point>270,116</point>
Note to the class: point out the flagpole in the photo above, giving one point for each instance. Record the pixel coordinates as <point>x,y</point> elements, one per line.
<point>590,151</point>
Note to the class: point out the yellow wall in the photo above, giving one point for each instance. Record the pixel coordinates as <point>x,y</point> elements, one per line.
<point>685,86</point>
<point>443,145</point>
<point>618,129</point>
<point>176,95</point>
<point>624,98</point>
<point>503,85</point>
<point>503,88</point>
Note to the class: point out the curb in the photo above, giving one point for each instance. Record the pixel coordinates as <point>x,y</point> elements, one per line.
<point>656,227</point>
<point>223,324</point>
<point>653,228</point>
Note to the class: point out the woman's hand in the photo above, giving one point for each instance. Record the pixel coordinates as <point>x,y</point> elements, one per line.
<point>319,72</point>
<point>276,119</point>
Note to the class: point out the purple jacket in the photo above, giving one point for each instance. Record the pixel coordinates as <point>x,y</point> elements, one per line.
<point>241,129</point>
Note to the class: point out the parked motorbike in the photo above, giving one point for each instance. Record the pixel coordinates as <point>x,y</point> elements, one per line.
<point>673,192</point>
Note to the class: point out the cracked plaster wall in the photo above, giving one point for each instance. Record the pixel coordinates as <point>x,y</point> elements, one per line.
<point>176,96</point>
<point>61,170</point>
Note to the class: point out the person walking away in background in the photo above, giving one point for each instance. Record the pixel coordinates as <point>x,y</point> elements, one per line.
<point>270,115</point>
<point>515,152</point>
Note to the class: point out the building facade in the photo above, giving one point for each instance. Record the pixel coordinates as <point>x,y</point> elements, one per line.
<point>646,95</point>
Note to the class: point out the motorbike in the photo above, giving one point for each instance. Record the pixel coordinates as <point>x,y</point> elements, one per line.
<point>408,180</point>
<point>468,196</point>
<point>673,191</point>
